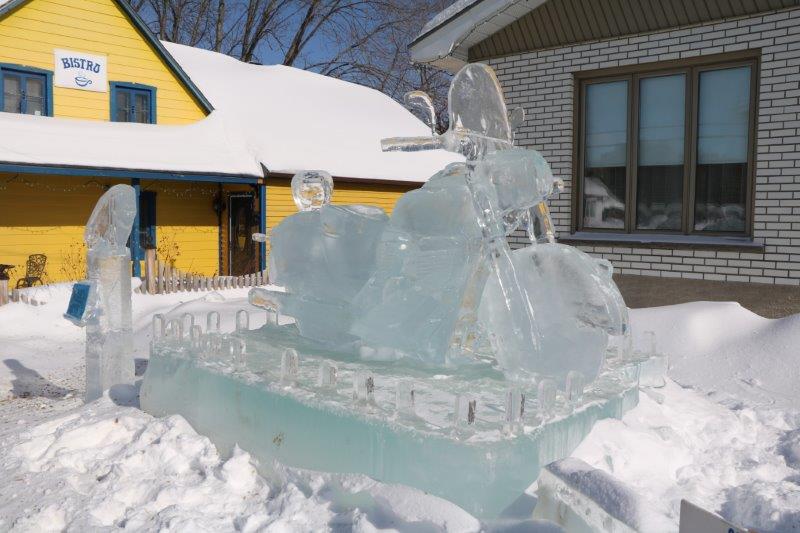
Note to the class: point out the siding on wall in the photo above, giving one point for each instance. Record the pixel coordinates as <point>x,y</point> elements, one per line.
<point>187,224</point>
<point>280,203</point>
<point>48,214</point>
<point>543,83</point>
<point>561,22</point>
<point>29,34</point>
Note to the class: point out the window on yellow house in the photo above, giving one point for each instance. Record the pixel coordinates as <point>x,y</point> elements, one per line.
<point>26,91</point>
<point>133,103</point>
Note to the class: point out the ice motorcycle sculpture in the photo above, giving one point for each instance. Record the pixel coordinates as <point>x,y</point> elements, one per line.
<point>421,349</point>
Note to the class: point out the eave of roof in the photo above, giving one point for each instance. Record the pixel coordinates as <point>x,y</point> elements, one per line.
<point>446,44</point>
<point>125,173</point>
<point>151,39</point>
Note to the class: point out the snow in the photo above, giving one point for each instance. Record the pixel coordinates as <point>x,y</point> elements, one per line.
<point>281,117</point>
<point>453,9</point>
<point>295,120</point>
<point>678,444</point>
<point>444,40</point>
<point>203,147</point>
<point>728,351</point>
<point>715,439</point>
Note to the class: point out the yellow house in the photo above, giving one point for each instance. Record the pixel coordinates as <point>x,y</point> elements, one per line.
<point>91,98</point>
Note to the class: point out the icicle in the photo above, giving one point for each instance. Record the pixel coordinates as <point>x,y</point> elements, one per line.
<point>327,375</point>
<point>196,338</point>
<point>515,408</point>
<point>212,322</point>
<point>575,384</point>
<point>159,327</point>
<point>290,362</point>
<point>364,387</point>
<point>546,394</point>
<point>405,398</point>
<point>237,351</point>
<point>242,320</point>
<point>175,330</point>
<point>187,321</point>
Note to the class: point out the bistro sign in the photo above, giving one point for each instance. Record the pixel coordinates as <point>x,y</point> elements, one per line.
<point>76,70</point>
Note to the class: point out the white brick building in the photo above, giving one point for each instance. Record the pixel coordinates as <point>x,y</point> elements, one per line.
<point>675,125</point>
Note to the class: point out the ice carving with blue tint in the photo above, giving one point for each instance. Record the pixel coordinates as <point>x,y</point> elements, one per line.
<point>438,281</point>
<point>419,347</point>
<point>108,318</point>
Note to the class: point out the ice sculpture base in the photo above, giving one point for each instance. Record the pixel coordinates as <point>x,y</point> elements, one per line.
<point>483,465</point>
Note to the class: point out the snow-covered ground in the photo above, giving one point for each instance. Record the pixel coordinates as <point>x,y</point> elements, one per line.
<point>723,433</point>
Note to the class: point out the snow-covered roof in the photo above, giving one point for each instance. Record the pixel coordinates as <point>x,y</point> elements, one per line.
<point>280,117</point>
<point>206,147</point>
<point>297,120</point>
<point>446,38</point>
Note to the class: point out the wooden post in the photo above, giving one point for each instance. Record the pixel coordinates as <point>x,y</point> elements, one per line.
<point>167,279</point>
<point>160,287</point>
<point>3,291</point>
<point>150,271</point>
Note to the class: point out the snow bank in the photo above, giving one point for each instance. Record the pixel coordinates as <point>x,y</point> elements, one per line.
<point>110,464</point>
<point>104,466</point>
<point>42,353</point>
<point>678,445</point>
<point>724,349</point>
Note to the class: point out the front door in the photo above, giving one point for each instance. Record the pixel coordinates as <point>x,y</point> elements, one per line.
<point>242,251</point>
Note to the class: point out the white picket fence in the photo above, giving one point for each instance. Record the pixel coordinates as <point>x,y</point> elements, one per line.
<point>27,296</point>
<point>161,278</point>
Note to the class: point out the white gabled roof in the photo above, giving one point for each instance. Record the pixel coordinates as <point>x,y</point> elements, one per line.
<point>283,118</point>
<point>204,147</point>
<point>445,40</point>
<point>294,120</point>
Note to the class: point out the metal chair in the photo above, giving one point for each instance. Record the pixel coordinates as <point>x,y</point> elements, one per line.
<point>34,270</point>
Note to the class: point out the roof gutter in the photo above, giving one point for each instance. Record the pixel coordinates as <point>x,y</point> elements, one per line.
<point>446,46</point>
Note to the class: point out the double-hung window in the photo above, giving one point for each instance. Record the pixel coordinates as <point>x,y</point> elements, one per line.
<point>133,103</point>
<point>668,151</point>
<point>25,91</point>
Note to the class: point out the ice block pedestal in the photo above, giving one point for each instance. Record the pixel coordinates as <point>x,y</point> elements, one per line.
<point>466,434</point>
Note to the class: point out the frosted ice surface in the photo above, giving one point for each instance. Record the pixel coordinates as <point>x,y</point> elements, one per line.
<point>322,258</point>
<point>109,343</point>
<point>311,189</point>
<point>280,402</point>
<point>423,350</point>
